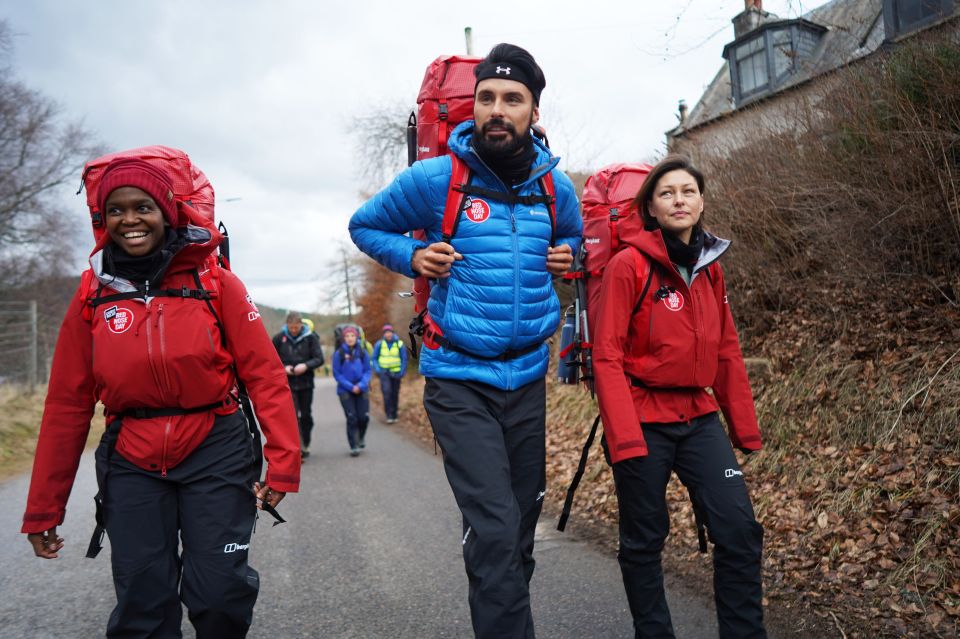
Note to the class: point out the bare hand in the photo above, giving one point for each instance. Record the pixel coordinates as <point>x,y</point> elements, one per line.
<point>559,259</point>
<point>288,369</point>
<point>435,260</point>
<point>268,495</point>
<point>46,544</point>
<point>356,390</point>
<point>300,369</point>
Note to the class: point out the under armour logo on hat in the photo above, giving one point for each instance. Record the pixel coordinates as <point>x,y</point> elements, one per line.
<point>503,70</point>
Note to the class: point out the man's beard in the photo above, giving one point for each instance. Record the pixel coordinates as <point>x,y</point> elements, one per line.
<point>505,147</point>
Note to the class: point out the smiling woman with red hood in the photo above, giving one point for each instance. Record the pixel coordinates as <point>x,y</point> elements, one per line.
<point>162,335</point>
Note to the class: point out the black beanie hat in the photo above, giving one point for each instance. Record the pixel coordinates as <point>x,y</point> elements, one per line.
<point>510,62</point>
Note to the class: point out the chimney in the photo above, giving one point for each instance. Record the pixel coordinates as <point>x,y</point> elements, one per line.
<point>752,17</point>
<point>683,110</point>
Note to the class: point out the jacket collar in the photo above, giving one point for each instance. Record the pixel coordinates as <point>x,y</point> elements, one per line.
<point>651,243</point>
<point>460,142</point>
<point>296,338</point>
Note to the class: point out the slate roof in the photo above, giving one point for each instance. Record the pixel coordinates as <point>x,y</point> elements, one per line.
<point>854,29</point>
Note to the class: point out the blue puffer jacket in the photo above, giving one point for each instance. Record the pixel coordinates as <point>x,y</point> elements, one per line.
<point>351,367</point>
<point>500,296</point>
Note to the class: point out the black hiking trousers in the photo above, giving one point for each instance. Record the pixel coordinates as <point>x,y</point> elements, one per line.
<point>701,454</point>
<point>303,405</point>
<point>494,454</point>
<point>208,501</point>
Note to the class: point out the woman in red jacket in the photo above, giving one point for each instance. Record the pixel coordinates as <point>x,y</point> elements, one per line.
<point>159,333</point>
<point>664,335</point>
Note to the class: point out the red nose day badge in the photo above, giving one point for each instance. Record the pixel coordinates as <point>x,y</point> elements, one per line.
<point>674,301</point>
<point>478,211</point>
<point>118,319</point>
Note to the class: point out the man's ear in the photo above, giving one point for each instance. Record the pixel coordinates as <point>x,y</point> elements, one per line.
<point>536,115</point>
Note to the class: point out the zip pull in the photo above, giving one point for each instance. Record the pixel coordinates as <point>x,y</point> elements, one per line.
<point>163,461</point>
<point>146,290</point>
<point>513,222</point>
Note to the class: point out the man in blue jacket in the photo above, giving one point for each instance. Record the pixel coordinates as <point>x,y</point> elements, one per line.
<point>492,307</point>
<point>389,362</point>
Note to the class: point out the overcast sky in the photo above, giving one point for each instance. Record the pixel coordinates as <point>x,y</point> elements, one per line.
<point>261,94</point>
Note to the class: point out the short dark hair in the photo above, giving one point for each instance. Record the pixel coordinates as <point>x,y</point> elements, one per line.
<point>529,72</point>
<point>672,162</point>
<point>294,316</point>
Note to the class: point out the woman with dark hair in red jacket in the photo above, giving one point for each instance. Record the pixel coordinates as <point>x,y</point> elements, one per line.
<point>160,334</point>
<point>664,335</point>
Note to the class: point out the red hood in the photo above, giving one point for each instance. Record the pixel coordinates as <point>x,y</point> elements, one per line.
<point>651,243</point>
<point>203,238</point>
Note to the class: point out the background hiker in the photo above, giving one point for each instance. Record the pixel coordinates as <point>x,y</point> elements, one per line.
<point>491,308</point>
<point>664,335</point>
<point>177,462</point>
<point>300,352</point>
<point>390,363</point>
<point>351,369</point>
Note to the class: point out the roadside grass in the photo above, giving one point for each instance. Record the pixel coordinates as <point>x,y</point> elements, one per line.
<point>20,415</point>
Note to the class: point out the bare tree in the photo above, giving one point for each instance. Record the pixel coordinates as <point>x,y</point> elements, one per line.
<point>344,280</point>
<point>380,135</point>
<point>39,152</point>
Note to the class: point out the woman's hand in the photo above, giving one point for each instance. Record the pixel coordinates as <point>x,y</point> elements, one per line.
<point>46,544</point>
<point>300,369</point>
<point>267,494</point>
<point>355,390</point>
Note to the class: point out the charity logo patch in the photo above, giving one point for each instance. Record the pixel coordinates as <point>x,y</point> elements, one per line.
<point>478,211</point>
<point>674,301</point>
<point>118,319</point>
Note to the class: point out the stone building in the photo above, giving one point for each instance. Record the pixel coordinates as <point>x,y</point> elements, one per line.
<point>776,72</point>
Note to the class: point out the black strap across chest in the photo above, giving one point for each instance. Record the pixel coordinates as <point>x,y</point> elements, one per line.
<point>142,292</point>
<point>510,197</point>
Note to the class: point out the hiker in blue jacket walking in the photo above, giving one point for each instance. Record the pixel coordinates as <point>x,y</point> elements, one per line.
<point>351,369</point>
<point>492,307</point>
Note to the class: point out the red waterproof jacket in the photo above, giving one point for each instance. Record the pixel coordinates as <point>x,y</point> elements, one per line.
<point>653,363</point>
<point>165,352</point>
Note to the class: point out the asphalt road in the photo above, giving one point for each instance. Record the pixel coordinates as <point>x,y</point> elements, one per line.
<point>371,549</point>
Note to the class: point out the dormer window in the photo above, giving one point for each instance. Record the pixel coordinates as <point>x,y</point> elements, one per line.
<point>763,59</point>
<point>904,16</point>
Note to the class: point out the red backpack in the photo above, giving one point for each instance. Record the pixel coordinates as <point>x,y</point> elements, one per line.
<point>608,213</point>
<point>190,185</point>
<point>445,100</point>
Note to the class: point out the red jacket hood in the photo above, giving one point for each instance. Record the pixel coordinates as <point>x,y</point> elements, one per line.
<point>651,243</point>
<point>202,236</point>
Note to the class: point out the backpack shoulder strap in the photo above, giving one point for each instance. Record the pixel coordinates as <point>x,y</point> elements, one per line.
<point>459,178</point>
<point>549,190</point>
<point>212,287</point>
<point>89,286</point>
<point>642,265</point>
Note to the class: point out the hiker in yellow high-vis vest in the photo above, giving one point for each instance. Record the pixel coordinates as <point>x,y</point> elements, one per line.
<point>390,363</point>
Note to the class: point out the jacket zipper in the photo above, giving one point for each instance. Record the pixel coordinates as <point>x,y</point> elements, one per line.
<point>150,355</point>
<point>163,457</point>
<point>163,346</point>
<point>516,275</point>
